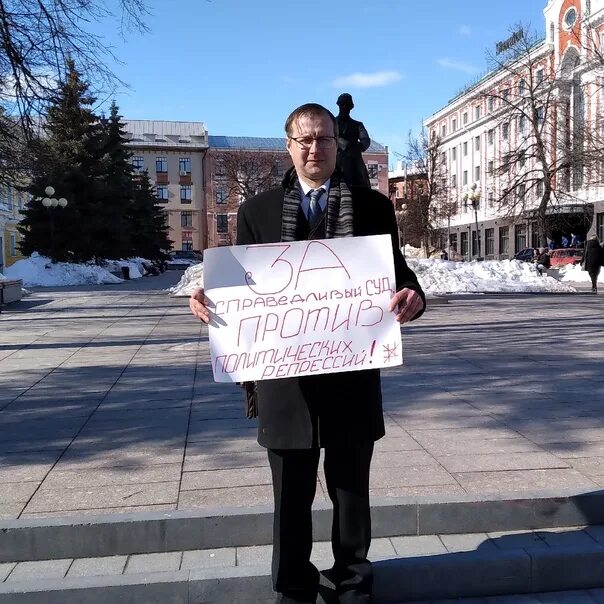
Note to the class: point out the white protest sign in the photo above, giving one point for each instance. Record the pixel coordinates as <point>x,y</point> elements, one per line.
<point>300,308</point>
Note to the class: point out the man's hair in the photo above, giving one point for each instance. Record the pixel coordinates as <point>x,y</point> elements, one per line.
<point>309,110</point>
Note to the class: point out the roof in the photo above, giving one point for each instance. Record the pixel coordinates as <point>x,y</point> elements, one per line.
<point>166,134</point>
<point>266,144</point>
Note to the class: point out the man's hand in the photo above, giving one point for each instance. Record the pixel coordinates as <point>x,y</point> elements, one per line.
<point>407,302</point>
<point>197,304</point>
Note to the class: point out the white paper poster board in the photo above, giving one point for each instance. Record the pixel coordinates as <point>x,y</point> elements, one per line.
<point>300,308</point>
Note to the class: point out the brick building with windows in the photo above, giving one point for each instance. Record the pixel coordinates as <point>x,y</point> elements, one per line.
<point>227,186</point>
<point>496,200</point>
<point>203,179</point>
<point>172,154</point>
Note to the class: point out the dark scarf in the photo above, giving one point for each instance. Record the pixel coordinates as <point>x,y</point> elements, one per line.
<point>339,221</point>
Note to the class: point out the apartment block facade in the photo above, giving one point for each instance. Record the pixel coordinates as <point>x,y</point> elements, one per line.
<point>172,153</point>
<point>475,138</point>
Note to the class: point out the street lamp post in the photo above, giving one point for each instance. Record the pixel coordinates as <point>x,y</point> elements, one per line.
<point>474,197</point>
<point>402,218</point>
<point>50,202</point>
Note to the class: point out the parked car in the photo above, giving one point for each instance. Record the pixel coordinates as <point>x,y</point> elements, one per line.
<point>527,254</point>
<point>180,259</point>
<point>566,255</point>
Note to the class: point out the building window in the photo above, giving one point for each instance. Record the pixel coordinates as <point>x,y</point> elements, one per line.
<point>454,125</point>
<point>505,94</point>
<point>519,237</point>
<point>477,112</point>
<point>187,246</point>
<point>522,124</point>
<point>465,177</point>
<point>477,173</point>
<point>491,136</point>
<point>454,154</point>
<point>465,149</point>
<point>491,199</point>
<point>539,76</point>
<point>9,197</point>
<point>489,239</point>
<point>490,167</point>
<point>278,168</point>
<point>162,192</point>
<point>221,195</point>
<point>477,143</point>
<point>505,131</point>
<point>522,159</point>
<point>13,245</point>
<point>161,164</point>
<point>454,181</point>
<point>222,223</point>
<point>464,243</point>
<point>184,165</point>
<point>138,163</point>
<point>539,189</point>
<point>491,103</point>
<point>465,118</point>
<point>521,88</point>
<point>372,170</point>
<point>504,240</point>
<point>540,115</point>
<point>443,130</point>
<point>185,193</point>
<point>521,191</point>
<point>186,219</point>
<point>219,167</point>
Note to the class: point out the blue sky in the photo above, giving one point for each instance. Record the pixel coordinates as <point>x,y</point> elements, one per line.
<point>241,66</point>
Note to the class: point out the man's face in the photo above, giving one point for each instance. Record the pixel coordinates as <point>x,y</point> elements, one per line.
<point>315,164</point>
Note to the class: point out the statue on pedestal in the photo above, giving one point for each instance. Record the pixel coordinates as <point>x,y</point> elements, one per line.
<point>353,139</point>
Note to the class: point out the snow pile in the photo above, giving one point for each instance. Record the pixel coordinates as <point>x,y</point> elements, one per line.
<point>40,271</point>
<point>490,276</point>
<point>191,279</point>
<point>445,277</point>
<point>575,274</point>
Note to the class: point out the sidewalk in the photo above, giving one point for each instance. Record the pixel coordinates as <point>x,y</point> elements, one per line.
<point>107,404</point>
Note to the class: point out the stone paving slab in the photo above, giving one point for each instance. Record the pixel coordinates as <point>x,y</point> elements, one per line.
<point>97,378</point>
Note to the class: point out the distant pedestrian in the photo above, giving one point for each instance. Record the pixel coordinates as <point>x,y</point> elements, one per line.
<point>564,241</point>
<point>444,255</point>
<point>543,260</point>
<point>593,260</point>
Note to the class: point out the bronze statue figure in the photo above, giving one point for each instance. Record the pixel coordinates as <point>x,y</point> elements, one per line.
<point>353,139</point>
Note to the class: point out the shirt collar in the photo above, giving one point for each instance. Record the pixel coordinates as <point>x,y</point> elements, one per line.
<point>306,188</point>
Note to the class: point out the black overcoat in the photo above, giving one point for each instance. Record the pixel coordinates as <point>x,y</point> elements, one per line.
<point>593,256</point>
<point>329,409</point>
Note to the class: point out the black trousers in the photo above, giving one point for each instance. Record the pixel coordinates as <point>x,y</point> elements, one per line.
<point>294,483</point>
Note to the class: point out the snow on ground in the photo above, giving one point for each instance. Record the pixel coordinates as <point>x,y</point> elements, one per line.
<point>192,278</point>
<point>444,277</point>
<point>40,271</point>
<point>575,274</point>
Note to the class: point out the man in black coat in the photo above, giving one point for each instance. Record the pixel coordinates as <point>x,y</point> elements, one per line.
<point>339,412</point>
<point>593,260</point>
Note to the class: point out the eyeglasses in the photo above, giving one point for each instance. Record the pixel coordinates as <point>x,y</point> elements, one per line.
<point>305,142</point>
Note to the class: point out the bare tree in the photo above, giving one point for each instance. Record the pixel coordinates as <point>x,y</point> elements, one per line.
<point>246,173</point>
<point>37,37</point>
<point>425,153</point>
<point>539,122</point>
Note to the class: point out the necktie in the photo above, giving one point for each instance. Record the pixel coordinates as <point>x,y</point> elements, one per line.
<point>314,210</point>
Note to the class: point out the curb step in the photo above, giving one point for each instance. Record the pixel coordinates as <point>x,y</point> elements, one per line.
<point>556,560</point>
<point>90,536</point>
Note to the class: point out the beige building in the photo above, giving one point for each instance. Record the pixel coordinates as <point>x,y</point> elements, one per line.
<point>172,153</point>
<point>11,204</point>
